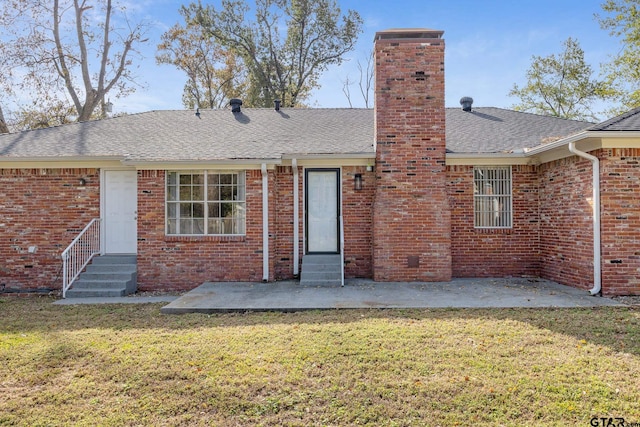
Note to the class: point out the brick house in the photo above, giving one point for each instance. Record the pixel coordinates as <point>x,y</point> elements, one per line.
<point>409,191</point>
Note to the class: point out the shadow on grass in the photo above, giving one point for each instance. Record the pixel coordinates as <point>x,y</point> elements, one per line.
<point>615,327</point>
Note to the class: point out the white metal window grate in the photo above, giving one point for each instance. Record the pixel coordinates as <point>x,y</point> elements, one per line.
<point>492,197</point>
<point>205,202</point>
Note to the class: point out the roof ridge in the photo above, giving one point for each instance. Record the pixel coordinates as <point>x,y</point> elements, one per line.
<point>614,120</point>
<point>525,113</point>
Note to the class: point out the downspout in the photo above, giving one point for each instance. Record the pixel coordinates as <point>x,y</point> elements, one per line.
<point>296,219</point>
<point>597,272</point>
<point>265,223</point>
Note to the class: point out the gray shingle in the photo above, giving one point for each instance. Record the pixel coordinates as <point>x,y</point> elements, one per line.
<point>269,134</point>
<point>495,130</point>
<point>629,121</point>
<point>215,135</point>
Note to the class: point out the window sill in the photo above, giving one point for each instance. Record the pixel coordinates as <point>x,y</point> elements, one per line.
<point>493,230</point>
<point>208,238</point>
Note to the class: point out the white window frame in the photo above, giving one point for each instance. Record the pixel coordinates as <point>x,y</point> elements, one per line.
<point>492,197</point>
<point>207,224</point>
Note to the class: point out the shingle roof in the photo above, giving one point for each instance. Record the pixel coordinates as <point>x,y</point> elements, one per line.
<point>214,135</point>
<point>180,135</point>
<point>494,130</point>
<point>629,121</point>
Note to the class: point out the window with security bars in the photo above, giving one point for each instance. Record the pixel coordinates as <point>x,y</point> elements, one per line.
<point>492,197</point>
<point>205,203</point>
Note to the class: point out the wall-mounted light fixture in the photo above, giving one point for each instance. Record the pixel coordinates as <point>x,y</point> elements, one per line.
<point>357,181</point>
<point>82,182</point>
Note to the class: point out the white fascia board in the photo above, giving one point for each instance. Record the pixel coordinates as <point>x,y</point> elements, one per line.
<point>61,158</point>
<point>588,140</point>
<point>312,156</point>
<point>615,134</point>
<point>621,140</point>
<point>348,159</point>
<point>59,162</point>
<point>556,144</point>
<point>479,159</point>
<point>203,164</point>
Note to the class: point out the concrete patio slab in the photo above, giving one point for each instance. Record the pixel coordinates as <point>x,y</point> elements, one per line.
<point>132,299</point>
<point>361,293</point>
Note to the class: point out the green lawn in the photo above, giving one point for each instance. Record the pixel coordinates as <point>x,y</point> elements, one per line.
<point>129,365</point>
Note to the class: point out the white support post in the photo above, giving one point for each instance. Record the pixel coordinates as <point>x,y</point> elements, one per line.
<point>265,223</point>
<point>296,219</point>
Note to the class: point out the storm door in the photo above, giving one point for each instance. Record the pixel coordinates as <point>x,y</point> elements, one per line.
<point>322,210</point>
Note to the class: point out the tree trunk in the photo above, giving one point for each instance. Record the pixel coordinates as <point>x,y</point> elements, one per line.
<point>3,124</point>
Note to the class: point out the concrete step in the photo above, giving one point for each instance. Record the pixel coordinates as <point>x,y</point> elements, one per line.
<point>110,268</point>
<point>115,259</point>
<point>322,275</point>
<point>100,284</point>
<point>321,259</point>
<point>106,276</point>
<point>321,270</point>
<point>96,292</point>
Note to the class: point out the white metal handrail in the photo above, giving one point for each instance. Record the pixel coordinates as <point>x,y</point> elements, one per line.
<point>78,254</point>
<point>341,251</point>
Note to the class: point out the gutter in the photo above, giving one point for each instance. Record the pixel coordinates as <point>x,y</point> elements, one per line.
<point>597,272</point>
<point>557,144</point>
<point>265,223</point>
<point>313,156</point>
<point>211,162</point>
<point>59,158</point>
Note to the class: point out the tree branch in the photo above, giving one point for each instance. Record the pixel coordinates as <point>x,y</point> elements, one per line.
<point>60,59</point>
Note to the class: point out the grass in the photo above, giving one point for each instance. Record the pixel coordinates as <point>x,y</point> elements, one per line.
<point>129,365</point>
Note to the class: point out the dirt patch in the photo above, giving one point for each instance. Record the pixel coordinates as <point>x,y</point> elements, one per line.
<point>633,300</point>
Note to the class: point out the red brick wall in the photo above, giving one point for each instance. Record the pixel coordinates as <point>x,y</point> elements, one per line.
<point>566,224</point>
<point>45,208</point>
<point>356,211</point>
<point>283,234</point>
<point>499,252</point>
<point>620,221</point>
<point>179,263</point>
<point>357,206</point>
<point>411,219</point>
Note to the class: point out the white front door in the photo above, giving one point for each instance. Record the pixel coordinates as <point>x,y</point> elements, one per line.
<point>322,213</point>
<point>120,212</point>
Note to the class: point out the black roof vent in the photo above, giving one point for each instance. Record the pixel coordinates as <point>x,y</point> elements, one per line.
<point>277,104</point>
<point>466,102</point>
<point>235,105</point>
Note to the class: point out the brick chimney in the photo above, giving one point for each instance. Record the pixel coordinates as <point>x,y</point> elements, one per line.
<point>412,218</point>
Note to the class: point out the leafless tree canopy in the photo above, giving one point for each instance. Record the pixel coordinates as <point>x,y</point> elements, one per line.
<point>65,57</point>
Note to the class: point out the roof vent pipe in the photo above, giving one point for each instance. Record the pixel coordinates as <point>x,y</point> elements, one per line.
<point>466,103</point>
<point>276,103</point>
<point>235,105</point>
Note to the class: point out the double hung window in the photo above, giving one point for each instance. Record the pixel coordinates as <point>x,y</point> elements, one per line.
<point>492,197</point>
<point>205,203</point>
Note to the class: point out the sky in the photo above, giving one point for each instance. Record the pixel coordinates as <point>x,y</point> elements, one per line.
<point>489,46</point>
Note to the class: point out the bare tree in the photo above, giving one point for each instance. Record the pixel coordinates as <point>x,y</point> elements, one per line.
<point>346,89</point>
<point>71,52</point>
<point>365,81</point>
<point>4,128</point>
